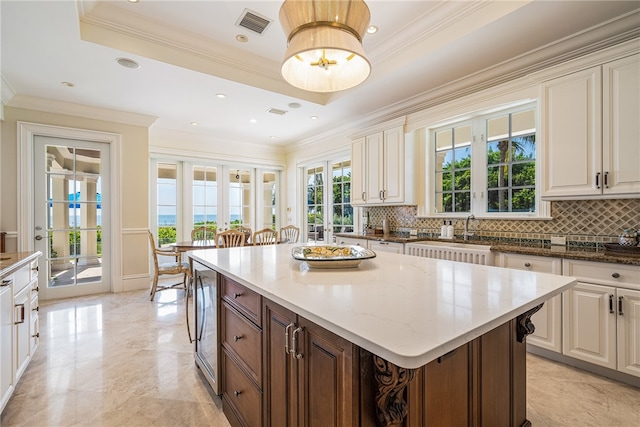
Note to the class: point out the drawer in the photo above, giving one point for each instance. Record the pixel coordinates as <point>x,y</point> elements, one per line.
<point>248,302</point>
<point>240,393</point>
<point>21,278</point>
<point>538,264</point>
<point>33,266</point>
<point>244,339</point>
<point>603,273</point>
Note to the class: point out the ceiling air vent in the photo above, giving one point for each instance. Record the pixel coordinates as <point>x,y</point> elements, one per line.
<point>277,111</point>
<point>253,21</point>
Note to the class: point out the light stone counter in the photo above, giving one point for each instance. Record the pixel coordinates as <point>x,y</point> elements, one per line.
<point>407,310</point>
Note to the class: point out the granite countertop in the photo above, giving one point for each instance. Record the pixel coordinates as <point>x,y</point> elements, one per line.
<point>407,310</point>
<point>587,254</point>
<point>11,261</point>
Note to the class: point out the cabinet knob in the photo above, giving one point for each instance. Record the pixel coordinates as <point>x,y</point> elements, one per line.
<point>37,335</point>
<point>616,275</point>
<point>527,264</point>
<point>237,393</point>
<point>235,295</point>
<point>237,337</point>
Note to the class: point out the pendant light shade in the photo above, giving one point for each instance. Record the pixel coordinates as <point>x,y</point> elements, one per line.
<point>324,51</point>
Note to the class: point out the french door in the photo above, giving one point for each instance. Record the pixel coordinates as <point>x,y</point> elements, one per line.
<point>71,215</point>
<point>328,201</point>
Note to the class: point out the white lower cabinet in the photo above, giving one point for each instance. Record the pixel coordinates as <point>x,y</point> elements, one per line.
<point>601,315</point>
<point>548,320</point>
<point>6,341</point>
<point>380,246</point>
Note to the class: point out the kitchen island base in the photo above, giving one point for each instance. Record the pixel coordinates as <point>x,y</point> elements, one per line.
<point>280,369</point>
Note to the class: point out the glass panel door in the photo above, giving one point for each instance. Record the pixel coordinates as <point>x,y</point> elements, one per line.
<point>205,196</point>
<point>70,198</point>
<point>239,200</point>
<point>341,197</point>
<point>315,178</point>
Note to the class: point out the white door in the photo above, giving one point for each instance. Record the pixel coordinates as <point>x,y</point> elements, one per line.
<point>71,216</point>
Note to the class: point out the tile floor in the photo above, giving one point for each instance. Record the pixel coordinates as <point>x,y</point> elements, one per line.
<point>121,360</point>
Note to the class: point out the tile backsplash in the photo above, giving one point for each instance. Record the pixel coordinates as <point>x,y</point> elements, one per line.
<point>582,222</point>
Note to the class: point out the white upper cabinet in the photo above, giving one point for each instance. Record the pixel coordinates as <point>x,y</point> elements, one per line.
<point>382,167</point>
<point>591,132</point>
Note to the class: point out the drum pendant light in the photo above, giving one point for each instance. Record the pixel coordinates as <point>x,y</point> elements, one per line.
<point>324,44</point>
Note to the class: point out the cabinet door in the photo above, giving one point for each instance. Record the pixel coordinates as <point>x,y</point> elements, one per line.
<point>620,126</point>
<point>6,344</point>
<point>394,171</point>
<point>327,392</point>
<point>548,320</point>
<point>21,336</point>
<point>628,331</point>
<point>571,130</point>
<point>280,391</point>
<point>375,163</point>
<point>589,324</point>
<point>358,172</point>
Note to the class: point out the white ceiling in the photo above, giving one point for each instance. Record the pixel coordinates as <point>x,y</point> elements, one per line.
<point>423,52</point>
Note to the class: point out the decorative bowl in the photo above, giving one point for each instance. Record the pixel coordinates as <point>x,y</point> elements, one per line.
<point>332,256</point>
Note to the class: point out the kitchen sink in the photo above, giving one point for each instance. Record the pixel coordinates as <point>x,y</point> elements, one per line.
<point>452,251</point>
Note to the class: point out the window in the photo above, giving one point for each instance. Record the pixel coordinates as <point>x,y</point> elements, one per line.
<point>189,195</point>
<point>315,203</point>
<point>511,163</point>
<point>167,202</point>
<point>453,169</point>
<point>205,196</point>
<point>487,165</point>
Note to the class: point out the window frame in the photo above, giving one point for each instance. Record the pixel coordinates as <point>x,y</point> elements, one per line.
<point>479,180</point>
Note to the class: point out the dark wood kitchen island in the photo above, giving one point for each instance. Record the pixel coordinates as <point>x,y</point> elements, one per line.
<point>398,340</point>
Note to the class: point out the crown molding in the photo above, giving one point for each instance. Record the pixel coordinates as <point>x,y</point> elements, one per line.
<point>80,110</point>
<point>198,146</point>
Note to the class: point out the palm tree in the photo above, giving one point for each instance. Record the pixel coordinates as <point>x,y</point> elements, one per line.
<point>517,144</point>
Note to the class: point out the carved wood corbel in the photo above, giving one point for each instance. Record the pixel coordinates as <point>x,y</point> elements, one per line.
<point>391,408</point>
<point>525,326</point>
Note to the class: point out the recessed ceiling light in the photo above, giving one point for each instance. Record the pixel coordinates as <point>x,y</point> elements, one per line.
<point>221,95</point>
<point>372,29</point>
<point>314,117</point>
<point>272,137</point>
<point>128,63</point>
<point>242,38</point>
<point>68,84</point>
<point>194,123</point>
<point>294,105</point>
<point>253,121</point>
<point>133,1</point>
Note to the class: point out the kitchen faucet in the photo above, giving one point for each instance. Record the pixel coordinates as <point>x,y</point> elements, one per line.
<point>466,233</point>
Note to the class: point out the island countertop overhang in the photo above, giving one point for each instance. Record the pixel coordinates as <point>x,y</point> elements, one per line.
<point>407,310</point>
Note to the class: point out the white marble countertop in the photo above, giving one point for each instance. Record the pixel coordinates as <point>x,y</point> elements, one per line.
<point>408,310</point>
<point>11,261</point>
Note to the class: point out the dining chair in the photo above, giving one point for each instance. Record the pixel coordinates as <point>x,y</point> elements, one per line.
<point>203,233</point>
<point>289,234</point>
<point>230,238</point>
<point>248,233</point>
<point>266,236</point>
<point>177,266</point>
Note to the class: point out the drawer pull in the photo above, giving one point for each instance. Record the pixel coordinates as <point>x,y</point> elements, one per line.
<point>35,268</point>
<point>35,309</point>
<point>237,393</point>
<point>527,264</point>
<point>236,295</point>
<point>620,306</point>
<point>237,337</point>
<point>616,275</point>
<point>37,335</point>
<point>294,350</point>
<point>19,313</point>
<point>611,304</point>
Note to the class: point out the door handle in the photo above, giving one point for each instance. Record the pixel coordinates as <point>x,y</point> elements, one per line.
<point>620,306</point>
<point>294,350</point>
